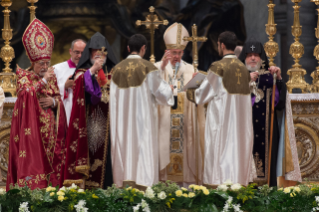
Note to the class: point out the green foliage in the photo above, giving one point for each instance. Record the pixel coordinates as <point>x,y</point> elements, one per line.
<point>165,197</point>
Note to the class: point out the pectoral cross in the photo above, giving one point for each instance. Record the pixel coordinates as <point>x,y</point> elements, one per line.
<point>194,39</point>
<point>152,22</point>
<point>252,48</point>
<point>102,51</point>
<point>130,68</point>
<point>238,74</point>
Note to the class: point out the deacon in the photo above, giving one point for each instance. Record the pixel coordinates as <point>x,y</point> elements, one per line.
<point>64,72</point>
<point>37,138</point>
<point>88,159</point>
<point>177,125</point>
<point>254,56</point>
<point>136,90</point>
<point>229,130</point>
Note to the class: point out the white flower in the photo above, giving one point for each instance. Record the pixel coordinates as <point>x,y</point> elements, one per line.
<point>237,208</point>
<point>317,198</point>
<point>161,195</point>
<point>80,207</point>
<point>73,186</point>
<point>136,208</point>
<point>236,187</point>
<point>145,206</point>
<point>228,182</point>
<point>81,190</point>
<point>62,189</point>
<point>2,191</point>
<point>24,207</point>
<point>149,193</point>
<point>222,187</point>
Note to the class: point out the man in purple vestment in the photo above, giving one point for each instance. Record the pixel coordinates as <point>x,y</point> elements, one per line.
<point>261,84</point>
<point>87,159</point>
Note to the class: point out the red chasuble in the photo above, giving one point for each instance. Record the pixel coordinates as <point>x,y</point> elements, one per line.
<point>37,135</point>
<point>87,137</point>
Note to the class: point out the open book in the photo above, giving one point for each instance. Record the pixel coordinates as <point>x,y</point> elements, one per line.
<point>195,82</point>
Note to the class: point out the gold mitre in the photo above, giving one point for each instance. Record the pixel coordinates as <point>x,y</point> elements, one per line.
<point>173,37</point>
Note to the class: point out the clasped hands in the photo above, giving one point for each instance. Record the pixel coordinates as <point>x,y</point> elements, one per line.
<point>272,70</point>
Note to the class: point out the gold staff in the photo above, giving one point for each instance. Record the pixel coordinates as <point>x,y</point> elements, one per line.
<point>151,23</point>
<point>194,39</point>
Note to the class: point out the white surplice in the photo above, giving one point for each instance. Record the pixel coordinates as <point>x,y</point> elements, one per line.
<point>63,71</point>
<point>134,129</point>
<point>228,132</point>
<point>186,148</point>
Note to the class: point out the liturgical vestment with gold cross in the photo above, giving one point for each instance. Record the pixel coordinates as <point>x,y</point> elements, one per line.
<point>136,90</point>
<point>229,130</point>
<point>181,131</point>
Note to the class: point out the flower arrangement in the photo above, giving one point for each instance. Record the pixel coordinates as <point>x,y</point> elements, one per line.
<point>163,197</point>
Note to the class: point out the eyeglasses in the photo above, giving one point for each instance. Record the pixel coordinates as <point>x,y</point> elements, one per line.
<point>77,52</point>
<point>44,63</point>
<point>177,53</point>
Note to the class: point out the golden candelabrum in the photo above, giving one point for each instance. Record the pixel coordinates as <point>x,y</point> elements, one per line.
<point>7,78</point>
<point>296,73</point>
<point>152,22</point>
<point>32,9</point>
<point>315,74</point>
<point>194,39</point>
<point>271,47</point>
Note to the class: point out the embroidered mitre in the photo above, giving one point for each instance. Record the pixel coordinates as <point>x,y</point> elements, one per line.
<point>38,41</point>
<point>173,37</point>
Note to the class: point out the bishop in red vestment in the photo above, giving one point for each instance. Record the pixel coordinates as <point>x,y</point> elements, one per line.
<point>38,123</point>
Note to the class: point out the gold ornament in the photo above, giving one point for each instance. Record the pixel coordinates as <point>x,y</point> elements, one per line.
<point>194,39</point>
<point>32,9</point>
<point>7,78</point>
<point>152,22</point>
<point>296,73</point>
<point>271,47</point>
<point>315,74</point>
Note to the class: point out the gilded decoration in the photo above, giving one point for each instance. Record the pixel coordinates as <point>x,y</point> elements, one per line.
<point>4,148</point>
<point>96,127</point>
<point>175,167</point>
<point>152,22</point>
<point>314,88</point>
<point>96,165</point>
<point>306,123</point>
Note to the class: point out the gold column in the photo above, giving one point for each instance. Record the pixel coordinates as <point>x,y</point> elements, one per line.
<point>296,73</point>
<point>7,78</point>
<point>315,74</point>
<point>32,9</point>
<point>271,47</point>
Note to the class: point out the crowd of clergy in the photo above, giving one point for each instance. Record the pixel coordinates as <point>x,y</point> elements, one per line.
<point>95,121</point>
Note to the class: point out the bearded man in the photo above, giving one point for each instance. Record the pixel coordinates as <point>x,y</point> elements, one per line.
<point>88,153</point>
<point>38,123</point>
<point>261,84</point>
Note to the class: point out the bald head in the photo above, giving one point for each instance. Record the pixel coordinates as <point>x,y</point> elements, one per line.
<point>76,50</point>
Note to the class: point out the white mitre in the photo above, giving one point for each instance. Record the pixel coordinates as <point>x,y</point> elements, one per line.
<point>173,37</point>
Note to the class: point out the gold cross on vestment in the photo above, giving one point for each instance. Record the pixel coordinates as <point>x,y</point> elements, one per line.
<point>238,74</point>
<point>194,39</point>
<point>130,68</point>
<point>152,22</point>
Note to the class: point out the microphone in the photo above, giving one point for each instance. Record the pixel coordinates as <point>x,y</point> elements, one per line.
<point>177,65</point>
